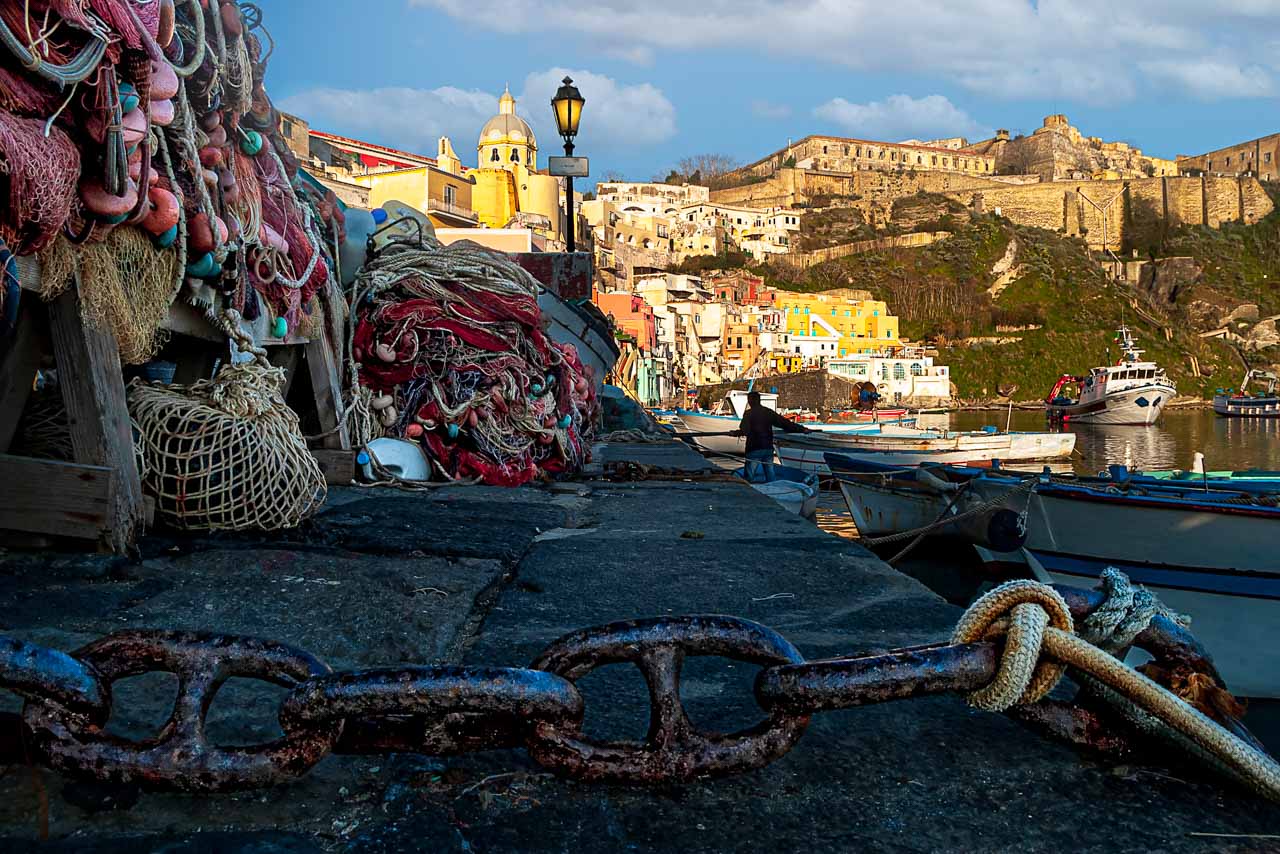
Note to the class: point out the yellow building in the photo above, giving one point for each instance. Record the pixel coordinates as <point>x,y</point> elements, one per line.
<point>863,325</point>
<point>445,197</point>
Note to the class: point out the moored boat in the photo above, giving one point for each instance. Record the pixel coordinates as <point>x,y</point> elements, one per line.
<point>710,428</point>
<point>907,446</point>
<point>1241,404</point>
<point>1204,552</point>
<point>1132,391</point>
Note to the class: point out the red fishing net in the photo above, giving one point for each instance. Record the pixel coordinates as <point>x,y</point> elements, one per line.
<point>37,182</point>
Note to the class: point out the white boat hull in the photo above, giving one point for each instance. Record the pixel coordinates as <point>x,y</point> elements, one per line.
<point>902,448</point>
<point>1223,569</point>
<point>1139,406</point>
<point>700,423</point>
<point>798,498</point>
<point>879,512</point>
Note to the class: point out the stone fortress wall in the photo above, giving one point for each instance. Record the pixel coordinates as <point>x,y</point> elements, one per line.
<point>1258,157</point>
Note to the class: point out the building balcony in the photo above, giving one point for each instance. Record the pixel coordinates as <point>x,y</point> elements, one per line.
<point>450,209</point>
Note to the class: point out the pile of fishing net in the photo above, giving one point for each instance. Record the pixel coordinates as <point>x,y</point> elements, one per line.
<point>450,344</point>
<point>142,129</point>
<point>225,454</point>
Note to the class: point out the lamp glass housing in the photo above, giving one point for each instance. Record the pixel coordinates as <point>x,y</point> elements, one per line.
<point>567,106</point>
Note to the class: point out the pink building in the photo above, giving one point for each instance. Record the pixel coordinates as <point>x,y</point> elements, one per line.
<point>632,315</point>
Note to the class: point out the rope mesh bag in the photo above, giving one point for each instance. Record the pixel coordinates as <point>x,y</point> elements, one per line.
<point>226,454</point>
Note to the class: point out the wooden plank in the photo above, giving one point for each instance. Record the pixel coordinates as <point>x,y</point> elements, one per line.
<point>93,391</point>
<point>18,370</point>
<point>339,466</point>
<point>287,358</point>
<point>326,384</point>
<point>53,497</point>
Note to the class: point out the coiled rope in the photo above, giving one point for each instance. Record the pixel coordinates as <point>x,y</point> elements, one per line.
<point>1040,643</point>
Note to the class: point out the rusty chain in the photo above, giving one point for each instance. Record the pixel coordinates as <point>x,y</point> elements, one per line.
<point>446,710</point>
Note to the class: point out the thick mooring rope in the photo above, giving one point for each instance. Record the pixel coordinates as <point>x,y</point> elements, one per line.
<point>1040,643</point>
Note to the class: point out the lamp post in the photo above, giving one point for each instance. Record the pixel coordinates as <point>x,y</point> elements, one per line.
<point>567,106</point>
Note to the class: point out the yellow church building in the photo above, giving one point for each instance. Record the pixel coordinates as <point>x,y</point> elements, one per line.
<point>508,190</point>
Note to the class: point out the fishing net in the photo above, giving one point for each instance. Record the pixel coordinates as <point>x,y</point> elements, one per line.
<point>126,285</point>
<point>226,454</point>
<point>37,182</point>
<point>450,342</point>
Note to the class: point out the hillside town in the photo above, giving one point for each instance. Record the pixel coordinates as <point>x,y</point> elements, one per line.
<point>679,329</point>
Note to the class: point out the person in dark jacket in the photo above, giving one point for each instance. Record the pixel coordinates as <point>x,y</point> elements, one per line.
<point>757,425</point>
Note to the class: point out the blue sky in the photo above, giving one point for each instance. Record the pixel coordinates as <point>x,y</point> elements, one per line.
<point>669,78</point>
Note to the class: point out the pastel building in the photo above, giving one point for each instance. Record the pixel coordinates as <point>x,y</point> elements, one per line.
<point>826,326</point>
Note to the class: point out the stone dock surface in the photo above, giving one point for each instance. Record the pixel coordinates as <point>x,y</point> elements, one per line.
<point>489,576</point>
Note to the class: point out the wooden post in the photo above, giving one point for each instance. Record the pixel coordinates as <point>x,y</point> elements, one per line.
<point>18,370</point>
<point>93,391</point>
<point>326,385</point>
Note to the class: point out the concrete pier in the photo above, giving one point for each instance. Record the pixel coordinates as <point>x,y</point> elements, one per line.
<point>490,576</point>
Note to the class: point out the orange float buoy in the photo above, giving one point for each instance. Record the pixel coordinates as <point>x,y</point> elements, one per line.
<point>135,127</point>
<point>200,235</point>
<point>163,213</point>
<point>211,157</point>
<point>232,23</point>
<point>104,205</point>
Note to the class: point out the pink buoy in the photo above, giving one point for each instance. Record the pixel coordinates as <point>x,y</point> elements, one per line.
<point>217,136</point>
<point>272,238</point>
<point>165,23</point>
<point>162,113</point>
<point>413,431</point>
<point>209,121</point>
<point>220,231</point>
<point>163,212</point>
<point>164,81</point>
<point>104,205</point>
<point>211,157</point>
<point>135,127</point>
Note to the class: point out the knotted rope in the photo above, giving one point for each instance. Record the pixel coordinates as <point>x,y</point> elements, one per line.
<point>1040,643</point>
<point>1124,614</point>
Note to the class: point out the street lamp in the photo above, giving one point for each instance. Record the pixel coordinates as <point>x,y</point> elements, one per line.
<point>567,106</point>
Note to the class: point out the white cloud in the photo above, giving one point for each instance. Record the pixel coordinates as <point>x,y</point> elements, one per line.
<point>400,117</point>
<point>768,110</point>
<point>616,115</point>
<point>1078,49</point>
<point>902,117</point>
<point>1212,80</point>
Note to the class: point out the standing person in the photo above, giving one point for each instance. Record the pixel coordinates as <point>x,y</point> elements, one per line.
<point>757,425</point>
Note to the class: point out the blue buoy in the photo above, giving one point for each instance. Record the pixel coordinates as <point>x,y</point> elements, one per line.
<point>453,431</point>
<point>128,98</point>
<point>251,143</point>
<point>379,216</point>
<point>166,238</point>
<point>565,421</point>
<point>203,267</point>
<point>363,458</point>
<point>281,328</point>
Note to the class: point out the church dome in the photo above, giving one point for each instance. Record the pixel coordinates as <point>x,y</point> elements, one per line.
<point>506,126</point>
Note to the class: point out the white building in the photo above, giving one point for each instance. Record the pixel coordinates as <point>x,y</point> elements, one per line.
<point>759,232</point>
<point>906,377</point>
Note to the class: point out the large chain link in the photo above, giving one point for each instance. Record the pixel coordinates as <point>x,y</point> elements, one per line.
<point>444,710</point>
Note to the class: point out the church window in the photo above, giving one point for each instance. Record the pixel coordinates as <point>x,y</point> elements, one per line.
<point>515,155</point>
<point>494,156</point>
<point>917,370</point>
<point>935,160</point>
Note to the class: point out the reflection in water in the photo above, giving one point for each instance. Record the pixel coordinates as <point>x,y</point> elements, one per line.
<point>1227,443</point>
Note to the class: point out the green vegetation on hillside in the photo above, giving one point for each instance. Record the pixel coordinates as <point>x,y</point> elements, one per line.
<point>940,292</point>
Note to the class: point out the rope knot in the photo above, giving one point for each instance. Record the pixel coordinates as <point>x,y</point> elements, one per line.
<point>1124,614</point>
<point>1020,611</point>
